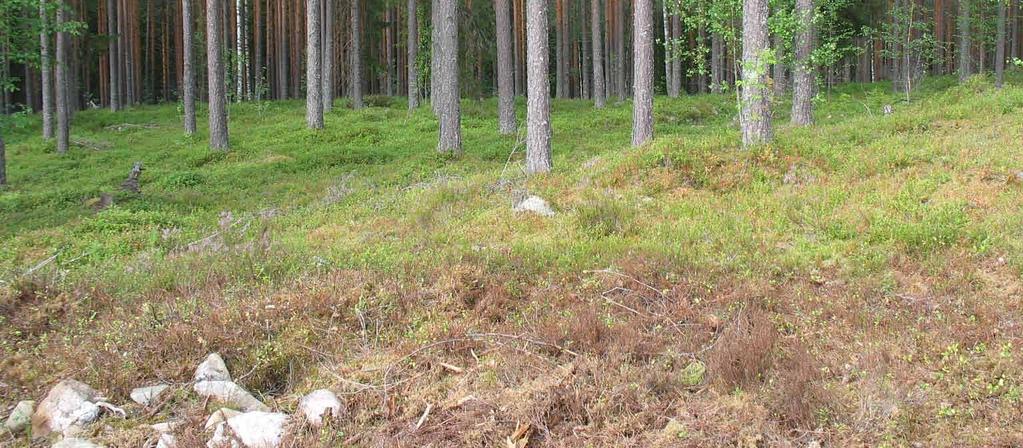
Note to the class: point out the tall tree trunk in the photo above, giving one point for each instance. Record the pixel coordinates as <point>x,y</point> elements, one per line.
<point>413,56</point>
<point>355,77</point>
<point>620,50</point>
<point>643,72</point>
<point>215,75</point>
<point>755,116</point>
<point>676,58</point>
<point>313,66</point>
<point>505,74</point>
<point>62,86</point>
<point>1000,46</point>
<point>559,40</point>
<point>112,56</point>
<point>802,93</point>
<point>778,76</point>
<point>538,107</point>
<point>188,72</point>
<point>449,109</point>
<point>597,36</point>
<point>3,160</point>
<point>328,55</point>
<point>47,71</point>
<point>666,25</point>
<point>964,40</point>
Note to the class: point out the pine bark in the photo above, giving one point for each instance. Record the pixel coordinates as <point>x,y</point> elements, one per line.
<point>1000,46</point>
<point>642,72</point>
<point>755,115</point>
<point>62,84</point>
<point>599,89</point>
<point>3,160</point>
<point>328,55</point>
<point>413,56</point>
<point>803,81</point>
<point>355,77</point>
<point>559,43</point>
<point>313,67</point>
<point>46,70</point>
<point>113,56</point>
<point>666,27</point>
<point>449,107</point>
<point>538,107</point>
<point>963,26</point>
<point>676,58</point>
<point>188,70</point>
<point>505,74</point>
<point>620,50</point>
<point>215,75</point>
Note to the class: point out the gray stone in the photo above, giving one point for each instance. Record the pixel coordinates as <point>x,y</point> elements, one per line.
<point>21,417</point>
<point>231,394</point>
<point>167,441</point>
<point>72,442</point>
<point>212,369</point>
<point>534,204</point>
<point>68,407</point>
<point>319,404</point>
<point>250,430</point>
<point>220,416</point>
<point>147,395</point>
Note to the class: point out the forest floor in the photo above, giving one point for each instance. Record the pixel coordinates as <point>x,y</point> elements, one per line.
<point>854,283</point>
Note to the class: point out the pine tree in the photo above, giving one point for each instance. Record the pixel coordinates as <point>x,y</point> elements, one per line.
<point>538,103</point>
<point>413,56</point>
<point>449,107</point>
<point>355,76</point>
<point>215,75</point>
<point>803,82</point>
<point>62,84</point>
<point>755,115</point>
<point>47,71</point>
<point>314,61</point>
<point>643,72</point>
<point>505,75</point>
<point>188,73</point>
<point>599,89</point>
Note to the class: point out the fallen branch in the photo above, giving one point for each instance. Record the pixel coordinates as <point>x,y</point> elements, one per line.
<point>125,126</point>
<point>95,146</point>
<point>422,419</point>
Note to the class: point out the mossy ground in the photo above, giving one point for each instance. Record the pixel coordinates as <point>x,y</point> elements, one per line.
<point>855,282</point>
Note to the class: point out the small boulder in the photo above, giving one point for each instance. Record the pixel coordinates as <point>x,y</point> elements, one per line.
<point>250,430</point>
<point>231,394</point>
<point>68,407</point>
<point>220,416</point>
<point>319,404</point>
<point>145,396</point>
<point>21,417</point>
<point>166,427</point>
<point>534,204</point>
<point>167,441</point>
<point>72,442</point>
<point>212,369</point>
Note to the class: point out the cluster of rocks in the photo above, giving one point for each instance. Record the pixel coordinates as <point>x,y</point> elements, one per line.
<point>243,421</point>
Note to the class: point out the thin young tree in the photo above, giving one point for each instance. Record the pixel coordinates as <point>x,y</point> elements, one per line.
<point>1000,46</point>
<point>505,74</point>
<point>620,50</point>
<point>3,160</point>
<point>355,66</point>
<point>755,114</point>
<point>313,67</point>
<point>62,83</point>
<point>413,56</point>
<point>46,71</point>
<point>449,108</point>
<point>965,43</point>
<point>188,70</point>
<point>215,75</point>
<point>599,93</point>
<point>642,72</point>
<point>538,102</point>
<point>112,56</point>
<point>803,81</point>
<point>327,71</point>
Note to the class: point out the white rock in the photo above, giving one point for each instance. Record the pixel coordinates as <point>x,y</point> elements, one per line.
<point>147,395</point>
<point>534,204</point>
<point>212,369</point>
<point>318,404</point>
<point>68,407</point>
<point>231,394</point>
<point>220,416</point>
<point>166,441</point>
<point>75,443</point>
<point>166,427</point>
<point>20,417</point>
<point>250,430</point>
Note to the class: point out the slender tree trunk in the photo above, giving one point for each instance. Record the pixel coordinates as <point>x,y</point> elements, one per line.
<point>239,60</point>
<point>597,36</point>
<point>449,109</point>
<point>802,93</point>
<point>676,58</point>
<point>964,40</point>
<point>666,25</point>
<point>643,72</point>
<point>3,160</point>
<point>328,55</point>
<point>62,84</point>
<point>313,66</point>
<point>355,77</point>
<point>112,56</point>
<point>755,116</point>
<point>505,75</point>
<point>215,75</point>
<point>717,76</point>
<point>188,75</point>
<point>538,107</point>
<point>620,50</point>
<point>413,56</point>
<point>46,71</point>
<point>1000,46</point>
<point>559,39</point>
